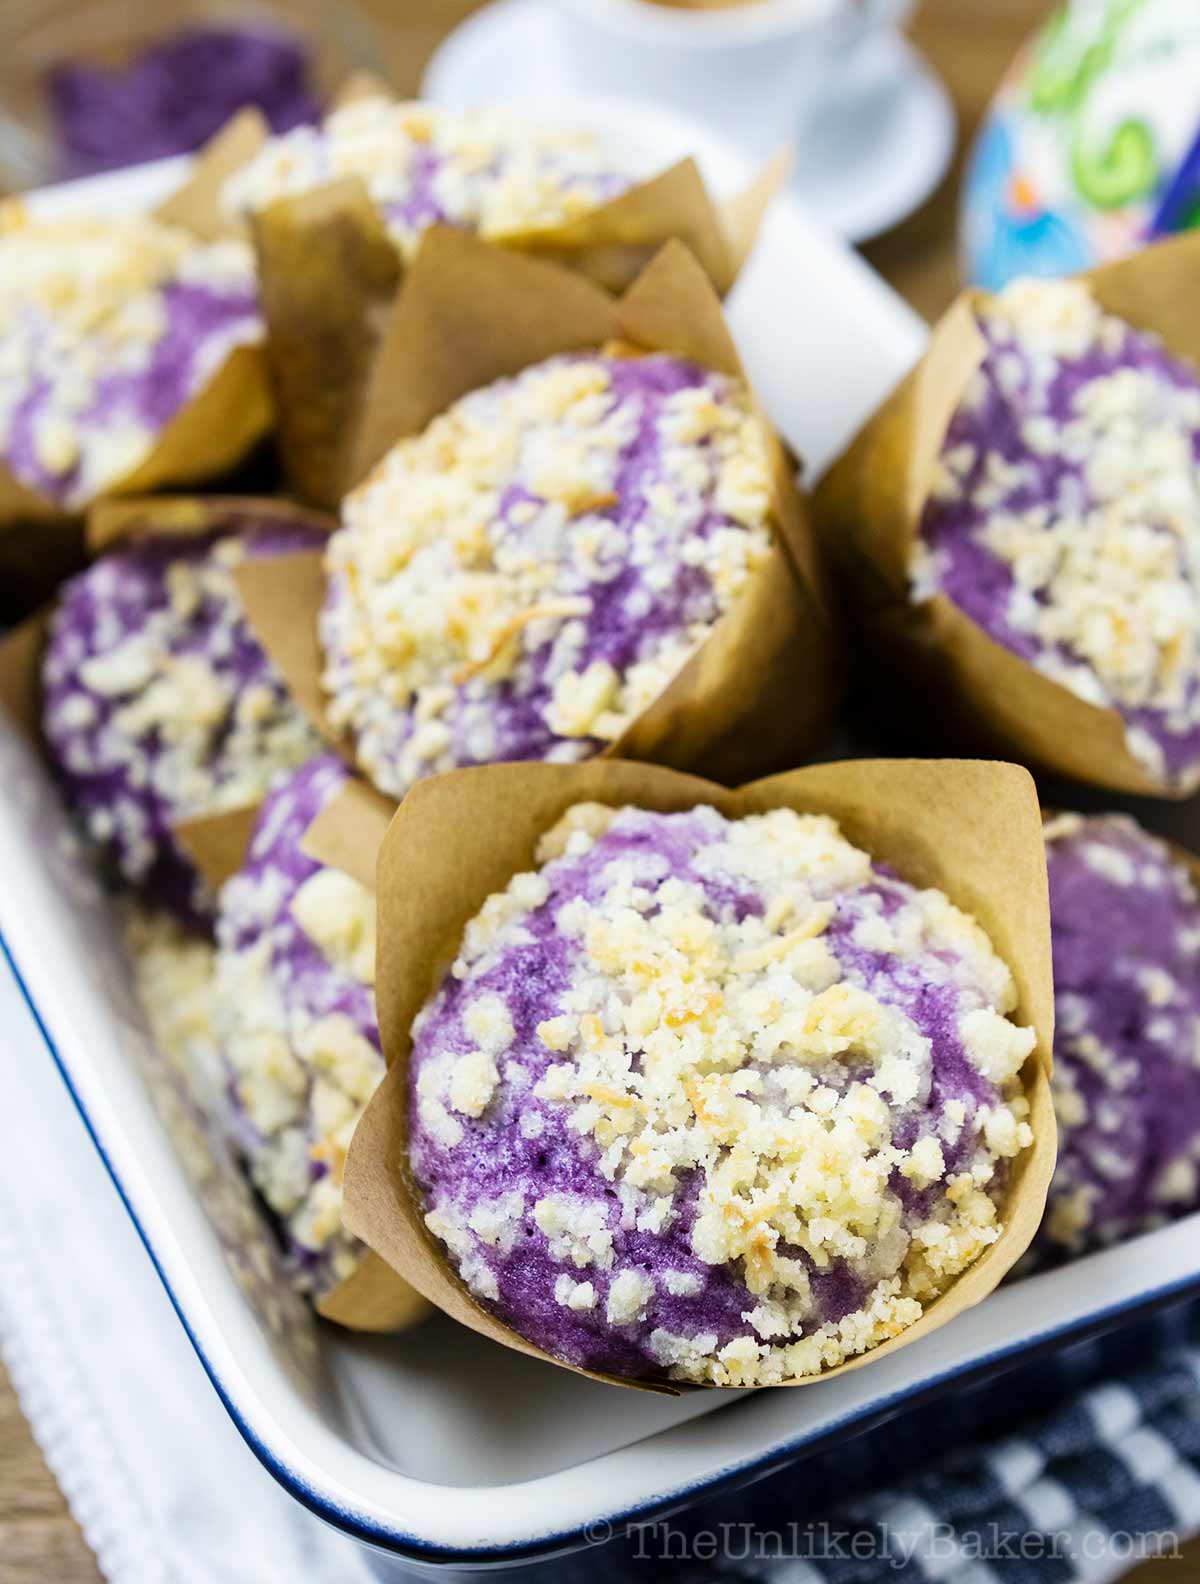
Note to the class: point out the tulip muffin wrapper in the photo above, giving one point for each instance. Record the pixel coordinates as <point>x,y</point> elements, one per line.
<point>329,274</point>
<point>761,690</point>
<point>970,828</point>
<point>230,413</point>
<point>869,507</point>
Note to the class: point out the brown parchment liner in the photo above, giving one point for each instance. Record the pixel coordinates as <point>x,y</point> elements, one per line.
<point>345,835</point>
<point>761,690</point>
<point>329,273</point>
<point>937,663</point>
<point>226,417</point>
<point>972,828</point>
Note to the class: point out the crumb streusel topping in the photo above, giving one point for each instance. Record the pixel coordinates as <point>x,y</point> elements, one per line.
<point>160,705</point>
<point>1125,918</point>
<point>108,328</point>
<point>715,1099</point>
<point>522,579</point>
<point>1065,519</point>
<point>295,981</point>
<point>482,171</point>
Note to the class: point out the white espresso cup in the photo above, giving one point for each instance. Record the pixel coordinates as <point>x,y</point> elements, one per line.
<point>759,71</point>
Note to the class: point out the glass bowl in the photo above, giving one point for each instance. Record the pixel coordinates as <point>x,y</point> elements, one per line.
<point>39,36</point>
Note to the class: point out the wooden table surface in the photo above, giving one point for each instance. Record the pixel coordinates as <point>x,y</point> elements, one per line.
<point>970,42</point>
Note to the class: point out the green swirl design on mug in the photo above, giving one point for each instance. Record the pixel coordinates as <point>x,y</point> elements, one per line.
<point>1123,170</point>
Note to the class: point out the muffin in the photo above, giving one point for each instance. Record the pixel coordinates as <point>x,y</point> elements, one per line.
<point>1065,516</point>
<point>110,330</point>
<point>522,579</point>
<point>159,705</point>
<point>715,1100</point>
<point>1126,933</point>
<point>295,974</point>
<point>487,172</point>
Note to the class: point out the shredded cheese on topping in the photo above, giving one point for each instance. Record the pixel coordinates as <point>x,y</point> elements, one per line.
<point>724,1050</point>
<point>1095,515</point>
<point>84,314</point>
<point>526,576</point>
<point>482,171</point>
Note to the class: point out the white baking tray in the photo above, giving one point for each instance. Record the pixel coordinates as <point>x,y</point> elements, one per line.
<point>438,1446</point>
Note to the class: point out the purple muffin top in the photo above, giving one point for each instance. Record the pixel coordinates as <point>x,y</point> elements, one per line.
<point>1125,917</point>
<point>295,994</point>
<point>1065,520</point>
<point>715,1100</point>
<point>108,329</point>
<point>484,171</point>
<point>524,578</point>
<point>159,705</point>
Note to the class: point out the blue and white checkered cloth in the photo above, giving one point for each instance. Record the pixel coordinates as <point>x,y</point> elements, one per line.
<point>1075,1467</point>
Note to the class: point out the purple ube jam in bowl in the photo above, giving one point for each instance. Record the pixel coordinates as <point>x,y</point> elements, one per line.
<point>525,577</point>
<point>159,705</point>
<point>714,1100</point>
<point>1126,929</point>
<point>1065,518</point>
<point>295,974</point>
<point>176,94</point>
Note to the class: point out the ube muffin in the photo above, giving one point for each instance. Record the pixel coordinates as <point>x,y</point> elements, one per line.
<point>295,975</point>
<point>522,579</point>
<point>487,172</point>
<point>159,704</point>
<point>1125,916</point>
<point>108,330</point>
<point>715,1100</point>
<point>1065,521</point>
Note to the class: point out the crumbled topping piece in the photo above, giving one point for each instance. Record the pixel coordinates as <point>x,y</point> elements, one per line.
<point>107,329</point>
<point>526,576</point>
<point>488,172</point>
<point>1066,515</point>
<point>338,915</point>
<point>769,1132</point>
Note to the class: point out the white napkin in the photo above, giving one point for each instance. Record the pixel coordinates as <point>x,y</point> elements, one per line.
<point>158,1478</point>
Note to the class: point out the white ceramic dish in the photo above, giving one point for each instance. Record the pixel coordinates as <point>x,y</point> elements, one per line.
<point>437,1447</point>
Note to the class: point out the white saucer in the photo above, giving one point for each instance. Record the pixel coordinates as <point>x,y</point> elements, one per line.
<point>866,163</point>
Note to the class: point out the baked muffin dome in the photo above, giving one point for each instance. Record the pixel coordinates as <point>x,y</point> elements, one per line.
<point>295,976</point>
<point>488,172</point>
<point>1125,917</point>
<point>108,330</point>
<point>159,705</point>
<point>522,579</point>
<point>1065,520</point>
<point>715,1100</point>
